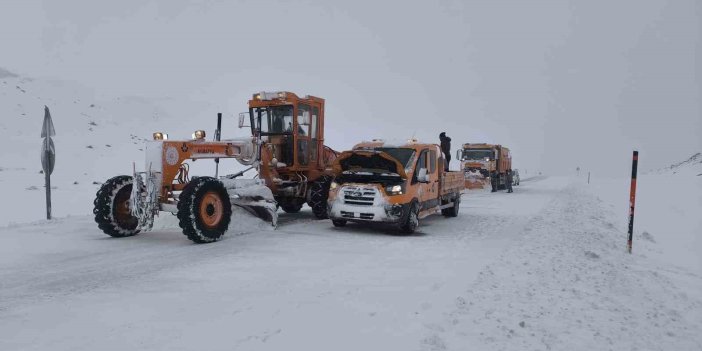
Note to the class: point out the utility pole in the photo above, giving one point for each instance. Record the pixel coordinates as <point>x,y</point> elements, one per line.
<point>48,156</point>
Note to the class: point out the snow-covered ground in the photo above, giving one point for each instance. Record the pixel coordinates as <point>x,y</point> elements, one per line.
<point>543,268</point>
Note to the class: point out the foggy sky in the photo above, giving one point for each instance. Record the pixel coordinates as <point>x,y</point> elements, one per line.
<point>562,83</point>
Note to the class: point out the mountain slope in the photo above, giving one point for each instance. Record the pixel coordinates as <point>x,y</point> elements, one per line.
<point>97,137</point>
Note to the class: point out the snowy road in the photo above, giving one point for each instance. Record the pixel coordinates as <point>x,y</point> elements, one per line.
<point>307,285</point>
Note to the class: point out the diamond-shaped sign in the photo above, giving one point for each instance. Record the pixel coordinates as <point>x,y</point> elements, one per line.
<point>47,129</point>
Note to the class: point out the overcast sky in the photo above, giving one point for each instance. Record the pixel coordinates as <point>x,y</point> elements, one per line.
<point>562,83</point>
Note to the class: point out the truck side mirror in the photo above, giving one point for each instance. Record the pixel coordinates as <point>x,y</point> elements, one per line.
<point>459,154</point>
<point>422,176</point>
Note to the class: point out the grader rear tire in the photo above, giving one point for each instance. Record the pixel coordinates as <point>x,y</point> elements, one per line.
<point>112,213</point>
<point>319,193</point>
<point>204,210</point>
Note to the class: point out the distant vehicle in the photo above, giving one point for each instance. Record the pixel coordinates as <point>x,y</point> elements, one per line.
<point>515,177</point>
<point>489,160</point>
<point>395,184</point>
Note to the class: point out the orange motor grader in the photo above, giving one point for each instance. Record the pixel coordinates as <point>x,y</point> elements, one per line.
<point>286,148</point>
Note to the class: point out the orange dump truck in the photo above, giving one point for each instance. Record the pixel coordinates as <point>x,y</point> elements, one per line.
<point>395,184</point>
<point>487,160</point>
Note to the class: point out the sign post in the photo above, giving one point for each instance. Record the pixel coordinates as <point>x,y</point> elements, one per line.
<point>48,156</point>
<point>632,199</point>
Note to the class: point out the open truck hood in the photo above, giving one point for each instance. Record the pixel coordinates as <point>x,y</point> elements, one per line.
<point>368,159</point>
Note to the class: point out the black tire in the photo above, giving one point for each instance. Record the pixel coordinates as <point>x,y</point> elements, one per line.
<point>111,208</point>
<point>410,219</point>
<point>452,211</point>
<point>291,206</point>
<point>339,222</point>
<point>319,193</point>
<point>204,210</point>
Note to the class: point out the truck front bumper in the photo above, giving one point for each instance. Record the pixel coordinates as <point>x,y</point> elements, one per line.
<point>381,213</point>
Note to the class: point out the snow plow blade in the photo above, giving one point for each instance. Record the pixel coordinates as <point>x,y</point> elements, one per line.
<point>475,180</point>
<point>254,196</point>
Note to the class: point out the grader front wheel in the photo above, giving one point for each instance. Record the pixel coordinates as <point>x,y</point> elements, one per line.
<point>204,210</point>
<point>112,213</point>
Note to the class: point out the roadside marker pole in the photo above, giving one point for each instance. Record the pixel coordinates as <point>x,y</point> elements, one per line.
<point>588,177</point>
<point>632,199</point>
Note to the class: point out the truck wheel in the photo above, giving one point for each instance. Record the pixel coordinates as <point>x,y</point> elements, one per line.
<point>501,183</point>
<point>291,206</point>
<point>112,213</point>
<point>319,193</point>
<point>339,222</point>
<point>452,211</point>
<point>204,210</point>
<point>410,220</point>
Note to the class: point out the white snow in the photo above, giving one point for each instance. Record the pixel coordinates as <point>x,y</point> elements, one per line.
<point>550,255</point>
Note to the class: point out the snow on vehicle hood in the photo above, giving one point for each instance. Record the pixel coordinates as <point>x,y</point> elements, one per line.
<point>368,159</point>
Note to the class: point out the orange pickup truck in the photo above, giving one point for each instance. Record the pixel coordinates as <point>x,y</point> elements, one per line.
<point>396,184</point>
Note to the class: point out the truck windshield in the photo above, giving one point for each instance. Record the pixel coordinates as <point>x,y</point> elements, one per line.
<point>400,154</point>
<point>477,154</point>
<point>273,120</point>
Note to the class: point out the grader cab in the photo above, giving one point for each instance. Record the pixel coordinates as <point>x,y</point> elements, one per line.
<point>286,149</point>
<point>296,165</point>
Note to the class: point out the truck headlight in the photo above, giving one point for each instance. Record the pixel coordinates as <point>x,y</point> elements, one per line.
<point>394,189</point>
<point>333,185</point>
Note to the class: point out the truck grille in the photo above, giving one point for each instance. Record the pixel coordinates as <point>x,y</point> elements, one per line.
<point>368,216</point>
<point>359,196</point>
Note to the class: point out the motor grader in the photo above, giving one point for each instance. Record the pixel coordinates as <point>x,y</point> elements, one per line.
<point>286,149</point>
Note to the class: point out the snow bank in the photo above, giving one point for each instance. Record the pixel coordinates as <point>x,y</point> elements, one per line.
<point>568,284</point>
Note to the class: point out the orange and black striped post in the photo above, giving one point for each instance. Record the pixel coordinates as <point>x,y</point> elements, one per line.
<point>632,199</point>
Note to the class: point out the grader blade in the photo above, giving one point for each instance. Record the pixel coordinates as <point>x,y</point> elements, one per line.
<point>253,196</point>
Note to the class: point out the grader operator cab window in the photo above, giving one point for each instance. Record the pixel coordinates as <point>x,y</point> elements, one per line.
<point>273,120</point>
<point>473,154</point>
<point>314,134</point>
<point>303,127</point>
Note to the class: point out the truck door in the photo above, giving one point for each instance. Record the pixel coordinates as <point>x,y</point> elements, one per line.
<point>434,170</point>
<point>427,191</point>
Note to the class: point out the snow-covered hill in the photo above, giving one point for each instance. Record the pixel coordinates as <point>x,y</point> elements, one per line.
<point>692,165</point>
<point>97,136</point>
